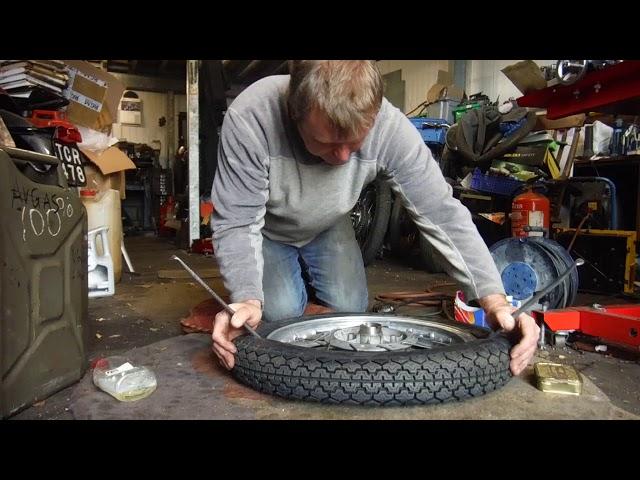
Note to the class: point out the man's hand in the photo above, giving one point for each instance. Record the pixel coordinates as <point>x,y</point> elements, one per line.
<point>226,328</point>
<point>525,329</point>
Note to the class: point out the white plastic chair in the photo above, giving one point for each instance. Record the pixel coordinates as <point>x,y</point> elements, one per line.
<point>100,266</point>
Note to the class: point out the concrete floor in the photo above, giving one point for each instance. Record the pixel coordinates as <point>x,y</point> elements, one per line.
<point>146,310</point>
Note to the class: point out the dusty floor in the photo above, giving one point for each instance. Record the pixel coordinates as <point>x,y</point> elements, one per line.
<point>147,309</point>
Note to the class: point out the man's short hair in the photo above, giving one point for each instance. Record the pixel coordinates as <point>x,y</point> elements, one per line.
<point>349,92</point>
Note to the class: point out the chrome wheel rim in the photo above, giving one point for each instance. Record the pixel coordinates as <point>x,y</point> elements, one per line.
<point>370,333</point>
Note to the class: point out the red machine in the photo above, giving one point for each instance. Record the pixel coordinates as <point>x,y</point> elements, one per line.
<point>617,323</point>
<point>615,88</point>
<point>530,214</point>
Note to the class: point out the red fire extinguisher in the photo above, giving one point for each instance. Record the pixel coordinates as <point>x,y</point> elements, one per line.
<point>530,212</point>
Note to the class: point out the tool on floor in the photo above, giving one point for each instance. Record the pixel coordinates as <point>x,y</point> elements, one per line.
<point>125,254</point>
<point>230,310</point>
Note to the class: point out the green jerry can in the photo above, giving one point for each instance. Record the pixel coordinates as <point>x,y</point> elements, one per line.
<point>43,283</point>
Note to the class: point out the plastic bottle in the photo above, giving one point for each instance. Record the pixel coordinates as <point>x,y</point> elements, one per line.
<point>122,380</point>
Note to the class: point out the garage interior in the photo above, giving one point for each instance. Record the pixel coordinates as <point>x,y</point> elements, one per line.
<point>146,133</point>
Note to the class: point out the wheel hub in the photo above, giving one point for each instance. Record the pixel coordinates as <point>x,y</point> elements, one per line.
<point>369,337</point>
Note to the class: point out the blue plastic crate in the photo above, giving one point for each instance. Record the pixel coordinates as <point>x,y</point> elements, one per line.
<point>494,184</point>
<point>433,130</point>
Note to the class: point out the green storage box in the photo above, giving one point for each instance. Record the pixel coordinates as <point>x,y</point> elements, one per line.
<point>459,111</point>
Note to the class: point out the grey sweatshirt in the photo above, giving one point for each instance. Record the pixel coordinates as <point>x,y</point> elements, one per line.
<point>267,183</point>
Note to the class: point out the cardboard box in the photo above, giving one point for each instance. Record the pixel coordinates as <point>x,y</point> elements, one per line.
<point>5,136</point>
<point>526,76</point>
<point>111,164</point>
<point>97,181</point>
<point>543,123</point>
<point>94,95</point>
<point>518,171</point>
<point>444,89</point>
<point>535,155</point>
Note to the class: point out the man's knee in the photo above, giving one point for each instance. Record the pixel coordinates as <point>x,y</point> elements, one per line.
<point>282,284</point>
<point>352,299</point>
<point>278,308</point>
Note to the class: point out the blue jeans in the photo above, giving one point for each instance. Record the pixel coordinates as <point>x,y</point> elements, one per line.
<point>333,264</point>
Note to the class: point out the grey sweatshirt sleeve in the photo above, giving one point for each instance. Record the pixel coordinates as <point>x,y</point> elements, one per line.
<point>239,195</point>
<point>442,219</point>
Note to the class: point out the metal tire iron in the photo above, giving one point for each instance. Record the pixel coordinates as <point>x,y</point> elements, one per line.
<point>217,297</point>
<point>534,300</point>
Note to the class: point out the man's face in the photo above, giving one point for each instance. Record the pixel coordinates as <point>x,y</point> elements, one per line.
<point>322,139</point>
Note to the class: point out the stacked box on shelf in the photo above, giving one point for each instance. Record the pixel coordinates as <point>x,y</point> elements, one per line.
<point>433,130</point>
<point>494,183</point>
